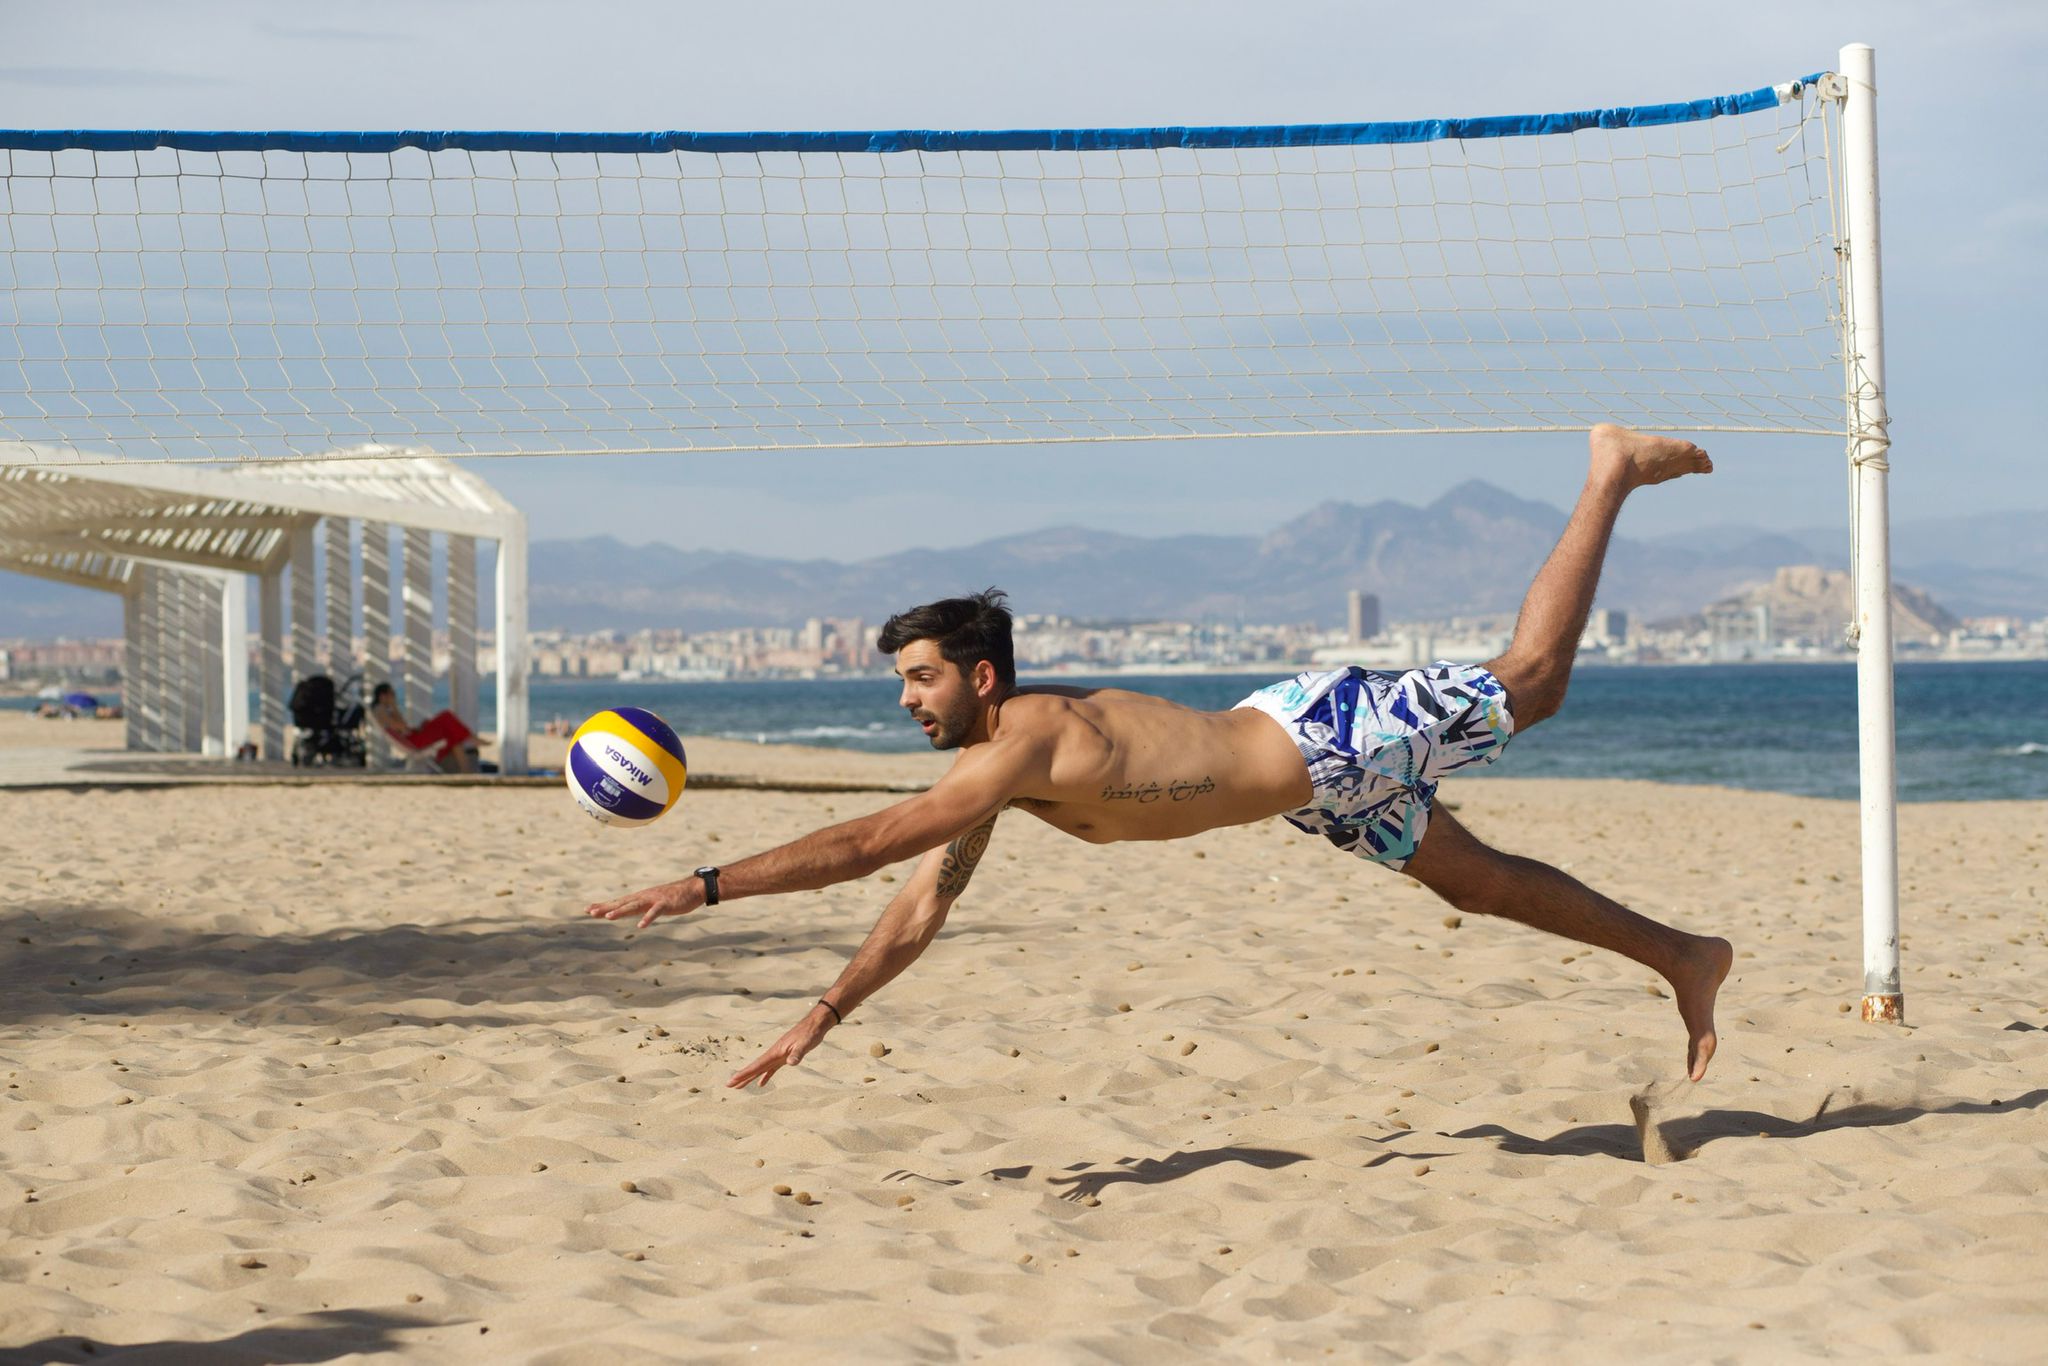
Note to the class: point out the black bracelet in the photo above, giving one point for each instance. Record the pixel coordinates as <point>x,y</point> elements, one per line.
<point>837,1018</point>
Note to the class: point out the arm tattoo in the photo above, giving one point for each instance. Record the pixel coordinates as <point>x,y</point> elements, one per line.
<point>961,857</point>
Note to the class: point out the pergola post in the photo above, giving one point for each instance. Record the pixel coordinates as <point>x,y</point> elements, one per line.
<point>202,592</point>
<point>377,624</point>
<point>234,660</point>
<point>304,598</point>
<point>416,576</point>
<point>270,670</point>
<point>462,692</point>
<point>155,690</point>
<point>175,648</point>
<point>131,660</point>
<point>341,601</point>
<point>512,649</point>
<point>155,707</point>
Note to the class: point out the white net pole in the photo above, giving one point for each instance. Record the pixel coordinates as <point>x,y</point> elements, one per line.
<point>1869,449</point>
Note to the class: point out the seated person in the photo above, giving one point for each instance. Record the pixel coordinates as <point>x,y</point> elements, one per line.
<point>441,736</point>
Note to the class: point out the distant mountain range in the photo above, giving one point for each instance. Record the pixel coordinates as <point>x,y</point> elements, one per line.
<point>1471,551</point>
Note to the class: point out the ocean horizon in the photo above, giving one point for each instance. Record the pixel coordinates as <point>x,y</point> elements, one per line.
<point>1966,731</point>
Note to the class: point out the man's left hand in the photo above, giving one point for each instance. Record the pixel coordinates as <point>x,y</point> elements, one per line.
<point>671,898</point>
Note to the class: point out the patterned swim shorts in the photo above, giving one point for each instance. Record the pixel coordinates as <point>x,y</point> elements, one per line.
<point>1376,743</point>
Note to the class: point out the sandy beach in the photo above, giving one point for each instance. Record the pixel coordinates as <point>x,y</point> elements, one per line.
<point>308,1073</point>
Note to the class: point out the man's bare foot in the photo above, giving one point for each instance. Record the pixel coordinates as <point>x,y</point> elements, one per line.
<point>1642,458</point>
<point>1696,982</point>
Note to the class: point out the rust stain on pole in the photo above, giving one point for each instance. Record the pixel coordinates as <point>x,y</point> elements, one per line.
<point>1884,1009</point>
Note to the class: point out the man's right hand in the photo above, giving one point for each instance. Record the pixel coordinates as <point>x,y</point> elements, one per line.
<point>670,898</point>
<point>789,1050</point>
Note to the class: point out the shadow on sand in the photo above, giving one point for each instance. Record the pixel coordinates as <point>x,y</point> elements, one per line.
<point>60,960</point>
<point>1687,1134</point>
<point>1153,1171</point>
<point>307,1338</point>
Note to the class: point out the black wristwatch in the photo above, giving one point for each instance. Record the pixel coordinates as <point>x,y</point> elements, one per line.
<point>710,876</point>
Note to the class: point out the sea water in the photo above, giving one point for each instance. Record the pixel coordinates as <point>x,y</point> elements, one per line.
<point>1966,732</point>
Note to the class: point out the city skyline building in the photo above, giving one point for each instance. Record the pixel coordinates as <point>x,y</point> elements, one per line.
<point>1362,614</point>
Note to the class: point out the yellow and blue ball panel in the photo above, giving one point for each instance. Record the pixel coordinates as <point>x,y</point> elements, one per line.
<point>625,766</point>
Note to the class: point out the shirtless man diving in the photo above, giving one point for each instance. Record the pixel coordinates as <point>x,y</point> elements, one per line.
<point>1350,754</point>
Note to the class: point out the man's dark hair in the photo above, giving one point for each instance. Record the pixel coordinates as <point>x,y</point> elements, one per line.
<point>966,630</point>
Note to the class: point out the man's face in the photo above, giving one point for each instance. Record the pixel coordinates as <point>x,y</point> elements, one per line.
<point>939,696</point>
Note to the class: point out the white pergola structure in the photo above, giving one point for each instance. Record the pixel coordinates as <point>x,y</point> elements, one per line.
<point>179,543</point>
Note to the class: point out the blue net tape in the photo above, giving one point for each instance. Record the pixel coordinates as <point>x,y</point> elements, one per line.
<point>908,139</point>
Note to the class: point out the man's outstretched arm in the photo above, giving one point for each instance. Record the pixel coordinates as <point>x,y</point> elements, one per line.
<point>981,781</point>
<point>906,928</point>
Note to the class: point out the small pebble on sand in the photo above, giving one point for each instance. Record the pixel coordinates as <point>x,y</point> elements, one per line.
<point>540,1166</point>
<point>629,1187</point>
<point>906,1199</point>
<point>878,1050</point>
<point>1187,1048</point>
<point>249,1263</point>
<point>781,1189</point>
<point>805,1198</point>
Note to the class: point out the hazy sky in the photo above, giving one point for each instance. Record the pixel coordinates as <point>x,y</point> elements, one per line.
<point>1964,180</point>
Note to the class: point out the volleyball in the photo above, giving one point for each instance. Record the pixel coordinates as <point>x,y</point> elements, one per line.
<point>625,766</point>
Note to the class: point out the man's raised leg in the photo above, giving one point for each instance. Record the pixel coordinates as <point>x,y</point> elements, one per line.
<point>1538,663</point>
<point>1474,877</point>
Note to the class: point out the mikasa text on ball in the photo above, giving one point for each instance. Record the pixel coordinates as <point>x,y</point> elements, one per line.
<point>625,766</point>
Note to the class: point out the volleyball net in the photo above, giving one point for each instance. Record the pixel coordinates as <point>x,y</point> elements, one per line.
<point>1709,265</point>
<point>211,296</point>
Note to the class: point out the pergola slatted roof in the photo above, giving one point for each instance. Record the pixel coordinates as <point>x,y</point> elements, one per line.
<point>62,517</point>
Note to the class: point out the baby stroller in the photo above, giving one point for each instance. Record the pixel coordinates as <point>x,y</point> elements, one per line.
<point>329,722</point>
